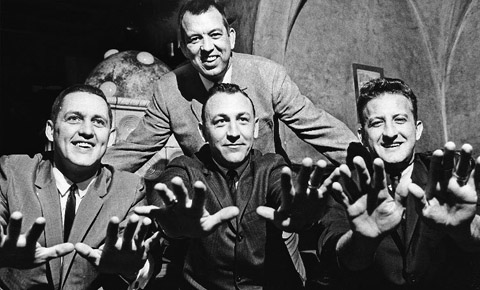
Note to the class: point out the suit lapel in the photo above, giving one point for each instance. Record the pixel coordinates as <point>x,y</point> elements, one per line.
<point>87,212</point>
<point>193,90</point>
<point>245,190</point>
<point>50,202</point>
<point>419,177</point>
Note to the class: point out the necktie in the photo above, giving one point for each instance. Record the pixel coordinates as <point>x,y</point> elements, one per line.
<point>232,179</point>
<point>394,180</point>
<point>69,212</point>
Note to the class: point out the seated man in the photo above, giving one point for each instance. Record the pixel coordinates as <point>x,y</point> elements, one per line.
<point>221,199</point>
<point>401,226</point>
<point>76,199</point>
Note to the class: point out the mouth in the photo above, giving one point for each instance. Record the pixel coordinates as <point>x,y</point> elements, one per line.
<point>234,146</point>
<point>83,144</point>
<point>392,145</point>
<point>210,59</point>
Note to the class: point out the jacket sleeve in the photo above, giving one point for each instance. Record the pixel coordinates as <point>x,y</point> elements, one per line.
<point>148,138</point>
<point>325,133</point>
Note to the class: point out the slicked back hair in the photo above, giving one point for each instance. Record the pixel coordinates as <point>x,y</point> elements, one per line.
<point>228,89</point>
<point>58,103</point>
<point>377,87</point>
<point>197,7</point>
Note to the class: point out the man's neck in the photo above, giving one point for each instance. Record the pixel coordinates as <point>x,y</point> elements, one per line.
<point>77,175</point>
<point>398,168</point>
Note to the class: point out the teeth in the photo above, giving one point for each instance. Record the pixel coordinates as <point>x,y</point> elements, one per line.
<point>83,144</point>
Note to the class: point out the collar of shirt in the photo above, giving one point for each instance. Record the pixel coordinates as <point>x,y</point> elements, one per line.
<point>227,78</point>
<point>63,183</point>
<point>239,169</point>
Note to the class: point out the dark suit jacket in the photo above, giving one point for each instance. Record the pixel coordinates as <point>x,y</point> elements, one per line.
<point>427,260</point>
<point>246,252</point>
<point>27,185</point>
<point>177,104</point>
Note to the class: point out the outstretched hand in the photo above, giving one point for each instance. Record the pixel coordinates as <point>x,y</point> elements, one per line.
<point>375,213</point>
<point>119,255</point>
<point>22,251</point>
<point>303,203</point>
<point>450,198</point>
<point>185,217</point>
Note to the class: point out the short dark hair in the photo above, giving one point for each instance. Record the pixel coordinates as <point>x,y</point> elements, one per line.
<point>197,7</point>
<point>57,104</point>
<point>228,89</point>
<point>377,87</point>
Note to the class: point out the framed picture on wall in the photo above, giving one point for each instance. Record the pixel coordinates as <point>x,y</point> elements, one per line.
<point>363,73</point>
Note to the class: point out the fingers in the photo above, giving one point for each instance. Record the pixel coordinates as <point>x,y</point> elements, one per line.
<point>316,177</point>
<point>266,212</point>
<point>339,195</point>
<point>91,255</point>
<point>14,227</point>
<point>169,199</point>
<point>179,190</point>
<point>448,160</point>
<point>59,250</point>
<point>304,176</point>
<point>462,169</point>
<point>287,189</point>
<point>129,231</point>
<point>146,210</point>
<point>363,174</point>
<point>420,197</point>
<point>221,216</point>
<point>35,231</point>
<point>112,232</point>
<point>198,200</point>
<point>349,188</point>
<point>142,232</point>
<point>379,184</point>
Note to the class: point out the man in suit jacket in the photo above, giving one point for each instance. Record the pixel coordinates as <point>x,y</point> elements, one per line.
<point>400,228</point>
<point>33,186</point>
<point>223,194</point>
<point>207,41</point>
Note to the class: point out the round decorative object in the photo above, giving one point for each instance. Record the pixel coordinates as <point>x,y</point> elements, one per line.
<point>127,74</point>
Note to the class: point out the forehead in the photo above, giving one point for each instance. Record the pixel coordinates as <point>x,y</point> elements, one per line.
<point>210,19</point>
<point>85,103</point>
<point>388,104</point>
<point>228,104</point>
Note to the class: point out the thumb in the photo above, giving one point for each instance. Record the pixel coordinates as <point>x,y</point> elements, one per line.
<point>87,252</point>
<point>62,249</point>
<point>221,216</point>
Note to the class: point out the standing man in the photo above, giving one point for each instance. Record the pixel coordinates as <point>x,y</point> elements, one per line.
<point>222,199</point>
<point>74,198</point>
<point>398,224</point>
<point>207,40</point>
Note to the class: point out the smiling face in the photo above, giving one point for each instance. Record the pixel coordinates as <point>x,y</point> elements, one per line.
<point>230,128</point>
<point>207,44</point>
<point>80,134</point>
<point>390,131</point>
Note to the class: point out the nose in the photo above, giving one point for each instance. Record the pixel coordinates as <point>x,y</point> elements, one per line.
<point>233,133</point>
<point>390,132</point>
<point>207,44</point>
<point>86,129</point>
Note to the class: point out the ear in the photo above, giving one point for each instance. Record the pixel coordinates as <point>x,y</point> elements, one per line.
<point>418,130</point>
<point>201,129</point>
<point>49,130</point>
<point>233,35</point>
<point>256,128</point>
